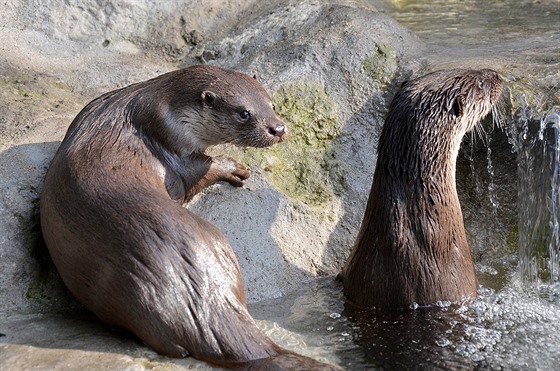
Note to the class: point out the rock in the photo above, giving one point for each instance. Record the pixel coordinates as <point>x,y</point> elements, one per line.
<point>331,67</point>
<point>77,339</point>
<point>298,214</point>
<point>331,89</point>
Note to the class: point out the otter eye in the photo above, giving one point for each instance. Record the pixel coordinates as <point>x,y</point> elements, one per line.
<point>244,114</point>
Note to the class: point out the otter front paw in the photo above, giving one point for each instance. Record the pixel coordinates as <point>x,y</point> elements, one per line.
<point>229,170</point>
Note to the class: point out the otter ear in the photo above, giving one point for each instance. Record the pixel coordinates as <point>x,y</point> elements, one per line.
<point>457,107</point>
<point>209,98</point>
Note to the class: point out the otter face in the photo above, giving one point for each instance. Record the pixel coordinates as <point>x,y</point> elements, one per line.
<point>208,105</point>
<point>459,97</point>
<point>245,116</point>
<point>478,92</point>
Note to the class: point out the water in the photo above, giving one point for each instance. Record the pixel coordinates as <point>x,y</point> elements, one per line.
<point>524,33</point>
<point>521,39</point>
<point>515,321</point>
<point>538,147</point>
<point>504,329</point>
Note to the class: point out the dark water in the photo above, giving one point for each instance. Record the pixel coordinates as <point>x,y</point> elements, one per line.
<point>515,321</point>
<point>500,330</point>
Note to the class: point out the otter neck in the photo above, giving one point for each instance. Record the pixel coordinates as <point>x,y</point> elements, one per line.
<point>423,162</point>
<point>174,145</point>
<point>414,187</point>
<point>412,244</point>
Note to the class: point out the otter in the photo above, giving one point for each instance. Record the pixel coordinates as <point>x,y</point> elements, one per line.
<point>112,217</point>
<point>411,247</point>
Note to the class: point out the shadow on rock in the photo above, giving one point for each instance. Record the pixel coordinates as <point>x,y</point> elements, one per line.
<point>29,275</point>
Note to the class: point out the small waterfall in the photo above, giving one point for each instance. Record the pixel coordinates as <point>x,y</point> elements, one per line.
<point>535,136</point>
<point>490,169</point>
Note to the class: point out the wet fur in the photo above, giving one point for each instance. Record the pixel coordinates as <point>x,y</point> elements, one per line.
<point>412,246</point>
<point>112,217</point>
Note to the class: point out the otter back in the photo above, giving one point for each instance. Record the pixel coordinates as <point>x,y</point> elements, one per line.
<point>112,218</point>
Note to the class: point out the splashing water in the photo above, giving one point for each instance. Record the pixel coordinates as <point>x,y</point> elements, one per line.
<point>536,140</point>
<point>500,330</point>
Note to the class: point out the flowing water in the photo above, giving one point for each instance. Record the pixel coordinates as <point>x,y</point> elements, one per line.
<point>537,147</point>
<point>515,321</point>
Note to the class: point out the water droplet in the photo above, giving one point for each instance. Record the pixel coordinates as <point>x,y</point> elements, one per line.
<point>443,342</point>
<point>443,303</point>
<point>334,315</point>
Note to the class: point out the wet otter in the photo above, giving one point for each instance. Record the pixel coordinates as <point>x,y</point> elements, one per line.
<point>412,247</point>
<point>112,218</point>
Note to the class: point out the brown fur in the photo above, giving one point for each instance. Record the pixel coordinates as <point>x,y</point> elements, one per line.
<point>112,218</point>
<point>412,246</point>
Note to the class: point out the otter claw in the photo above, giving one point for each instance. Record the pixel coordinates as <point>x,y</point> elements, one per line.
<point>231,171</point>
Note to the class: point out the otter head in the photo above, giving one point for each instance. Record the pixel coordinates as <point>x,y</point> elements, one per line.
<point>452,97</point>
<point>225,106</point>
<point>475,95</point>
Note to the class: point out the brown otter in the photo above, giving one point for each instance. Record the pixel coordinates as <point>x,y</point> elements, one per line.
<point>412,247</point>
<point>112,219</point>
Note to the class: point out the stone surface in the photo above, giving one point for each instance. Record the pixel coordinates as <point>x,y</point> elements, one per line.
<point>71,340</point>
<point>283,229</point>
<point>331,66</point>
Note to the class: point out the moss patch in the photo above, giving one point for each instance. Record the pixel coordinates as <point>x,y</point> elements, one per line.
<point>523,99</point>
<point>44,279</point>
<point>43,265</point>
<point>381,65</point>
<point>306,166</point>
<point>37,88</point>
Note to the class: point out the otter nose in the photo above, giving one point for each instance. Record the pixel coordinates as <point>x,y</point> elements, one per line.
<point>277,130</point>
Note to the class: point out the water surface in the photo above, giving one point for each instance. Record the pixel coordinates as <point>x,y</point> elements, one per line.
<point>499,330</point>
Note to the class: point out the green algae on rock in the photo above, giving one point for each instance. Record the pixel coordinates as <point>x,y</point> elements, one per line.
<point>381,66</point>
<point>304,168</point>
<point>33,86</point>
<point>43,266</point>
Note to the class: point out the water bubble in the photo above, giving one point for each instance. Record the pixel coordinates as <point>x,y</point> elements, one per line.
<point>443,303</point>
<point>443,342</point>
<point>334,315</point>
<point>345,337</point>
<point>486,269</point>
<point>477,357</point>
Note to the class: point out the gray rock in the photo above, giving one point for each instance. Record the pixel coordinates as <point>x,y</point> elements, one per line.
<point>331,66</point>
<point>339,77</point>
